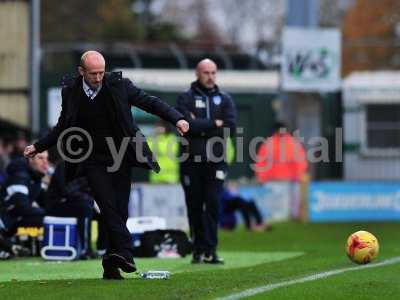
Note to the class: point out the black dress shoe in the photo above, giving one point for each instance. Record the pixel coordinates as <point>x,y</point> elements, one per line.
<point>111,272</point>
<point>117,261</point>
<point>213,259</point>
<point>197,258</point>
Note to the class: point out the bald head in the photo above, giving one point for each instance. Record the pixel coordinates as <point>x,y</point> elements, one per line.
<point>204,64</point>
<point>206,73</point>
<point>92,68</point>
<point>92,58</point>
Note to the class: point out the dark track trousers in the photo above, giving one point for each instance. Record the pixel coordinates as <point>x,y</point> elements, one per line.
<point>203,184</point>
<point>111,193</point>
<point>22,215</point>
<point>248,209</point>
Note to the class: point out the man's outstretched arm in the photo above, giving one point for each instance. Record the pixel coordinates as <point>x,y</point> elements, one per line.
<point>151,104</point>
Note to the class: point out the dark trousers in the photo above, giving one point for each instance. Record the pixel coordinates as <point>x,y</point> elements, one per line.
<point>203,184</point>
<point>23,214</point>
<point>111,193</point>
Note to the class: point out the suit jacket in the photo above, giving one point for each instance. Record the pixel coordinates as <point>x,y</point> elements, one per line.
<point>124,94</point>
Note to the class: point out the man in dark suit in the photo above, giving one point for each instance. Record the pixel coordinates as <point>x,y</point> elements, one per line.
<point>100,104</point>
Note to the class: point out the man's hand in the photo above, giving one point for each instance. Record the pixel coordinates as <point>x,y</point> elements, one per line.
<point>30,151</point>
<point>219,123</point>
<point>182,126</point>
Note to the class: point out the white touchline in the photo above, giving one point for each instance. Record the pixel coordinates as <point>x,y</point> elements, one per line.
<point>269,287</point>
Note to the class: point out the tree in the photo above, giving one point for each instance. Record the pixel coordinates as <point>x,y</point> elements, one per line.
<point>369,36</point>
<point>118,22</point>
<point>242,23</point>
<point>100,21</point>
<point>249,23</point>
<point>193,17</point>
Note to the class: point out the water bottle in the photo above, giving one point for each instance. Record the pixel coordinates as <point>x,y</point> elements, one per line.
<point>156,275</point>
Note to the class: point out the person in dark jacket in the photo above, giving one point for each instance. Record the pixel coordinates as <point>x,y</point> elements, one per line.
<point>22,197</point>
<point>212,118</point>
<point>99,105</point>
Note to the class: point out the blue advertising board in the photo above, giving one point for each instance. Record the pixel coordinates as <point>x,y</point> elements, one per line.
<point>353,201</point>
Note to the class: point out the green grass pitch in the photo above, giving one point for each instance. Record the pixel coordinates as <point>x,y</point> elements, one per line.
<point>288,252</point>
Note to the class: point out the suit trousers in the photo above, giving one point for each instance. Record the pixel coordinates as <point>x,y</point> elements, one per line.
<point>111,192</point>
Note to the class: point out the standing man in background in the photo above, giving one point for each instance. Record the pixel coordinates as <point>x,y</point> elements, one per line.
<point>209,112</point>
<point>99,104</point>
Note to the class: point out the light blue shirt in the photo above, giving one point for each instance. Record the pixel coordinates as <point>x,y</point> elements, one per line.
<point>91,93</point>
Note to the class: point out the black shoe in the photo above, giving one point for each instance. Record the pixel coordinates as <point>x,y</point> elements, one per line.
<point>118,261</point>
<point>213,259</point>
<point>197,258</point>
<point>111,272</point>
<point>112,275</point>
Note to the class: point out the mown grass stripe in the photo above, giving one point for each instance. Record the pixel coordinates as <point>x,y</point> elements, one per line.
<point>269,287</point>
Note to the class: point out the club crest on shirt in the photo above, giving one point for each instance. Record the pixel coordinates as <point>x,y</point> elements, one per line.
<point>217,100</point>
<point>220,174</point>
<point>200,104</point>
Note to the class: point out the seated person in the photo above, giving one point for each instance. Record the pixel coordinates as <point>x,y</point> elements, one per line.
<point>232,202</point>
<point>72,199</point>
<point>22,197</point>
<point>7,248</point>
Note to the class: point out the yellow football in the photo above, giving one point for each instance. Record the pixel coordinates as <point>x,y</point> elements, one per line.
<point>362,247</point>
